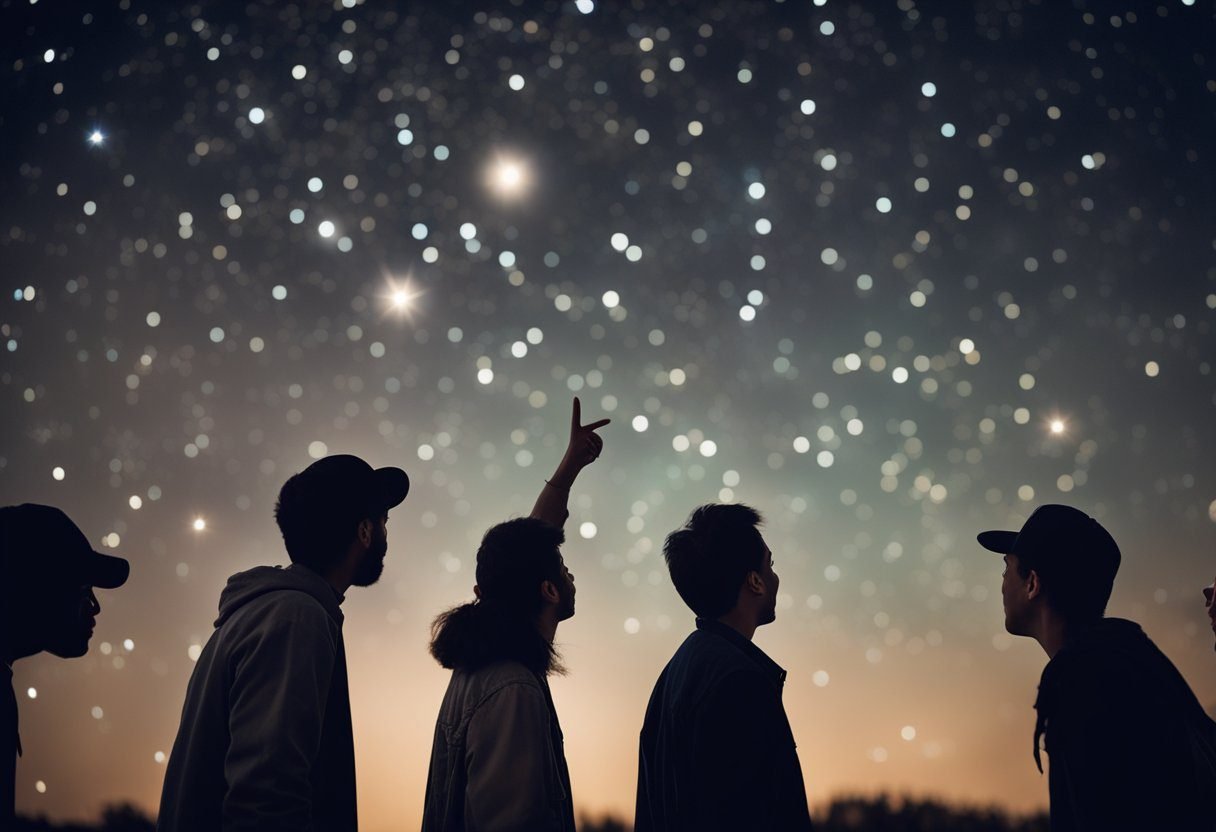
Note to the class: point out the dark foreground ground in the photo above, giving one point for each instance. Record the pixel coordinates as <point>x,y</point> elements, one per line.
<point>873,814</point>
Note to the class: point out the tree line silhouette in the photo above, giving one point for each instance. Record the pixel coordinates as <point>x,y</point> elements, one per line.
<point>847,813</point>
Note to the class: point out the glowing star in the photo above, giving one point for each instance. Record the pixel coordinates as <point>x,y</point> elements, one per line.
<point>96,138</point>
<point>507,177</point>
<point>1057,426</point>
<point>199,524</point>
<point>400,296</point>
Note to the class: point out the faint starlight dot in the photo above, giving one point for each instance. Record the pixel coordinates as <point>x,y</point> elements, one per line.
<point>632,626</point>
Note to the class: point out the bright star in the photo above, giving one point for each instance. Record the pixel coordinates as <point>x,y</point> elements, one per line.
<point>507,177</point>
<point>199,524</point>
<point>96,137</point>
<point>401,295</point>
<point>1057,426</point>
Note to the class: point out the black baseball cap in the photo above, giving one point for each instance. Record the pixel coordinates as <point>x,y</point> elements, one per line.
<point>1061,543</point>
<point>41,546</point>
<point>346,484</point>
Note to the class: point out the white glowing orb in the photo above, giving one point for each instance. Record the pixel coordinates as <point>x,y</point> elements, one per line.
<point>400,295</point>
<point>199,524</point>
<point>1057,426</point>
<point>96,137</point>
<point>508,177</point>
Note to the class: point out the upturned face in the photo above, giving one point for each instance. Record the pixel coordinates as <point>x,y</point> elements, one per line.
<point>66,618</point>
<point>1014,598</point>
<point>372,565</point>
<point>1210,603</point>
<point>565,607</point>
<point>772,581</point>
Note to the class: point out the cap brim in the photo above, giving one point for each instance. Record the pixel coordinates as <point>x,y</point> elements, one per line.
<point>392,484</point>
<point>106,571</point>
<point>997,541</point>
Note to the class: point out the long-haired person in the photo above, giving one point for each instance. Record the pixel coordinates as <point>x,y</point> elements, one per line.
<point>498,761</point>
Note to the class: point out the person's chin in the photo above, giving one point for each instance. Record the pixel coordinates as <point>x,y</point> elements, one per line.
<point>370,577</point>
<point>72,649</point>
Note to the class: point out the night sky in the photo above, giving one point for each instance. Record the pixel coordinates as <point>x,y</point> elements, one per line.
<point>891,274</point>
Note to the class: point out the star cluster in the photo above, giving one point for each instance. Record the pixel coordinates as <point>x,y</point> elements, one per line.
<point>892,274</point>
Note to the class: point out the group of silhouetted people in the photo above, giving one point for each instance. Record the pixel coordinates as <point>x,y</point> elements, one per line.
<point>266,743</point>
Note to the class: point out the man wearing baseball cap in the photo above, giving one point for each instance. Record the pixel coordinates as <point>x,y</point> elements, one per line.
<point>1129,744</point>
<point>47,574</point>
<point>265,740</point>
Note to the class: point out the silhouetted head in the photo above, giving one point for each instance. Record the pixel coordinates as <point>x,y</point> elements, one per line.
<point>333,516</point>
<point>719,562</point>
<point>521,577</point>
<point>47,574</point>
<point>1062,561</point>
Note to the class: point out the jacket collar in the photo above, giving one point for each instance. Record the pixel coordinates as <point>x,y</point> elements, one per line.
<point>775,672</point>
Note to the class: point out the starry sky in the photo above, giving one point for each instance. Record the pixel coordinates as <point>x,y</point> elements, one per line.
<point>891,274</point>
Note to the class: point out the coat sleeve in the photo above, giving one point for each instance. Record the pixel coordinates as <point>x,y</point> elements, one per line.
<point>278,691</point>
<point>511,764</point>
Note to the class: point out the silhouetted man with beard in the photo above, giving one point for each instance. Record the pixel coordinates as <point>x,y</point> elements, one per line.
<point>498,761</point>
<point>716,750</point>
<point>265,740</point>
<point>47,574</point>
<point>1129,745</point>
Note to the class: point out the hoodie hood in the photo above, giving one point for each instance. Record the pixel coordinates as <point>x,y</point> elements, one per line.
<point>243,587</point>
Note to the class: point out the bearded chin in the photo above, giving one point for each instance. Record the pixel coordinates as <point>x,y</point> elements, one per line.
<point>371,567</point>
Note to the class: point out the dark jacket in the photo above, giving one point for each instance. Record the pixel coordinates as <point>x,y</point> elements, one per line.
<point>1129,745</point>
<point>498,763</point>
<point>265,739</point>
<point>717,752</point>
<point>10,745</point>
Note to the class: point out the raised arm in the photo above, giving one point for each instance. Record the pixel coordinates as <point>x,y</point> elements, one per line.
<point>583,449</point>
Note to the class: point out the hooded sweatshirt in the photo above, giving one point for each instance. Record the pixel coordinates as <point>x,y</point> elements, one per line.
<point>265,740</point>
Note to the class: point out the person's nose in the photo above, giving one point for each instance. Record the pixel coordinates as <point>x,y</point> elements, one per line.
<point>92,605</point>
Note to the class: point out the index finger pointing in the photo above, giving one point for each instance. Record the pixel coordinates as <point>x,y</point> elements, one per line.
<point>577,416</point>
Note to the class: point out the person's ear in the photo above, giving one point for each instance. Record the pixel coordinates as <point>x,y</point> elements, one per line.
<point>365,532</point>
<point>755,583</point>
<point>1034,585</point>
<point>548,591</point>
